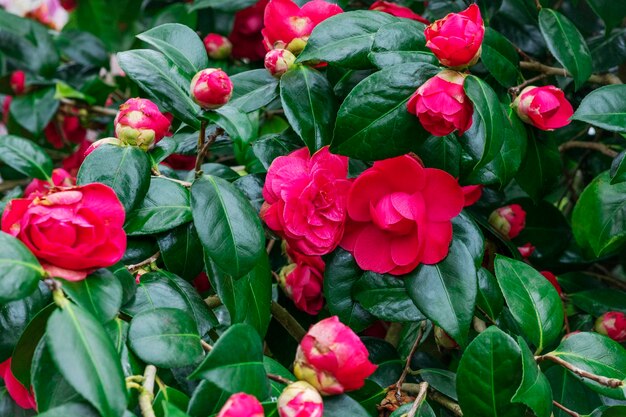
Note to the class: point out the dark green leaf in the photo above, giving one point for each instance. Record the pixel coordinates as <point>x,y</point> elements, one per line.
<point>83,48</point>
<point>400,42</point>
<point>100,294</point>
<point>74,409</point>
<point>618,169</point>
<point>103,18</point>
<point>489,297</point>
<point>541,167</point>
<point>443,153</point>
<point>20,269</point>
<point>179,250</point>
<point>467,231</point>
<point>423,411</point>
<point>224,5</point>
<point>253,90</point>
<point>500,58</point>
<point>385,297</point>
<point>270,147</point>
<point>546,228</point>
<point>49,386</point>
<point>569,391</point>
<point>605,108</point>
<point>441,380</point>
<point>129,287</point>
<point>342,406</point>
<point>24,156</point>
<point>33,111</point>
<point>599,301</point>
<point>206,400</point>
<point>235,122</point>
<point>535,389</point>
<point>612,12</point>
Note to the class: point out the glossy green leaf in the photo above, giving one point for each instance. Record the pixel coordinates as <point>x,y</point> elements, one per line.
<point>87,359</point>
<point>165,206</point>
<point>343,405</point>
<point>100,294</point>
<point>50,388</point>
<point>373,122</point>
<point>270,147</point>
<point>598,301</point>
<point>400,42</point>
<point>82,47</point>
<point>546,227</point>
<point>19,268</point>
<point>566,44</point>
<point>26,157</point>
<point>467,231</point>
<point>443,153</point>
<point>224,5</point>
<point>253,90</point>
<point>500,58</point>
<point>206,400</point>
<point>180,44</point>
<point>534,390</point>
<point>235,363</point>
<point>541,167</point>
<point>171,410</point>
<point>446,292</point>
<point>488,376</point>
<point>309,105</point>
<point>345,39</point>
<point>165,337</point>
<point>604,107</point>
<point>73,409</point>
<point>489,297</point>
<point>33,111</point>
<point>532,300</point>
<point>569,391</point>
<point>618,169</point>
<point>610,11</point>
<point>235,122</point>
<point>229,229</point>
<point>599,218</point>
<point>100,16</point>
<point>179,250</point>
<point>125,169</point>
<point>385,297</point>
<point>129,287</point>
<point>441,380</point>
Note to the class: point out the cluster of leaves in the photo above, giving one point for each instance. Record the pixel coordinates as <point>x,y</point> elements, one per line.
<point>83,357</point>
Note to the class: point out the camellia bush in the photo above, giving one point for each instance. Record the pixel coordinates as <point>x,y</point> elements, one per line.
<point>308,209</point>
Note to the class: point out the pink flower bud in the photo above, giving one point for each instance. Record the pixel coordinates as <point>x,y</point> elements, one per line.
<point>397,10</point>
<point>242,405</point>
<point>472,194</point>
<point>100,142</point>
<point>552,278</point>
<point>211,88</point>
<point>60,178</point>
<point>526,250</point>
<point>68,5</point>
<point>443,339</point>
<point>140,123</point>
<point>332,358</point>
<point>279,61</point>
<point>300,399</point>
<point>22,397</point>
<point>18,82</point>
<point>613,325</point>
<point>303,281</point>
<point>508,220</point>
<point>217,46</point>
<point>546,107</point>
<point>441,105</point>
<point>457,38</point>
<point>6,106</point>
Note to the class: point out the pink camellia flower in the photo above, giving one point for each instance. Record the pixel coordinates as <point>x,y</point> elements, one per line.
<point>288,26</point>
<point>472,194</point>
<point>397,10</point>
<point>22,397</point>
<point>303,281</point>
<point>60,178</point>
<point>441,105</point>
<point>399,216</point>
<point>64,128</point>
<point>140,123</point>
<point>457,38</point>
<point>18,82</point>
<point>242,405</point>
<point>300,399</point>
<point>332,358</point>
<point>279,61</point>
<point>246,35</point>
<point>552,278</point>
<point>613,325</point>
<point>217,46</point>
<point>72,231</point>
<point>305,199</point>
<point>211,88</point>
<point>526,250</point>
<point>508,220</point>
<point>546,107</point>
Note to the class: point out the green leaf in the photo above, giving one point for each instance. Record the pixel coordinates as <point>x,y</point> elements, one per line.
<point>566,44</point>
<point>103,17</point>
<point>599,218</point>
<point>446,292</point>
<point>180,44</point>
<point>126,169</point>
<point>87,359</point>
<point>598,355</point>
<point>618,169</point>
<point>535,389</point>
<point>309,105</point>
<point>165,206</point>
<point>26,157</point>
<point>489,373</point>
<point>235,363</point>
<point>228,227</point>
<point>604,107</point>
<point>169,395</point>
<point>165,337</point>
<point>342,406</point>
<point>345,39</point>
<point>163,82</point>
<point>599,301</point>
<point>253,89</point>
<point>233,121</point>
<point>400,42</point>
<point>19,268</point>
<point>270,147</point>
<point>129,287</point>
<point>33,111</point>
<point>489,297</point>
<point>223,5</point>
<point>100,294</point>
<point>534,303</point>
<point>569,391</point>
<point>171,410</point>
<point>441,380</point>
<point>500,58</point>
<point>179,250</point>
<point>541,167</point>
<point>49,386</point>
<point>206,400</point>
<point>546,228</point>
<point>467,231</point>
<point>443,153</point>
<point>83,48</point>
<point>373,122</point>
<point>611,12</point>
<point>385,297</point>
<point>74,409</point>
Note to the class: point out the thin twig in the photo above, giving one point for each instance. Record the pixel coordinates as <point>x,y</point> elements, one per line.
<point>200,148</point>
<point>270,245</point>
<point>600,147</point>
<point>594,78</point>
<point>280,379</point>
<point>419,400</point>
<point>407,364</point>
<point>515,90</point>
<point>567,410</point>
<point>134,268</point>
<point>203,148</point>
<point>538,4</point>
<point>614,281</point>
<point>287,321</point>
<point>602,380</point>
<point>94,109</point>
<point>147,392</point>
<point>10,184</point>
<point>446,402</point>
<point>206,346</point>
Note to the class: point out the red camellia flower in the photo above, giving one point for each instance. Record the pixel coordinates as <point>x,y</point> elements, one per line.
<point>305,199</point>
<point>22,397</point>
<point>397,10</point>
<point>613,325</point>
<point>552,278</point>
<point>508,220</point>
<point>472,194</point>
<point>68,5</point>
<point>546,107</point>
<point>6,106</point>
<point>211,88</point>
<point>217,46</point>
<point>73,231</point>
<point>457,38</point>
<point>60,178</point>
<point>246,36</point>
<point>64,128</point>
<point>303,281</point>
<point>242,405</point>
<point>441,105</point>
<point>399,215</point>
<point>18,82</point>
<point>288,26</point>
<point>140,123</point>
<point>300,399</point>
<point>332,358</point>
<point>526,250</point>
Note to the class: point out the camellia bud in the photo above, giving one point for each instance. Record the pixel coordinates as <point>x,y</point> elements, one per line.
<point>508,220</point>
<point>545,107</point>
<point>217,46</point>
<point>18,82</point>
<point>303,281</point>
<point>300,399</point>
<point>552,278</point>
<point>242,405</point>
<point>613,325</point>
<point>526,250</point>
<point>211,88</point>
<point>443,339</point>
<point>140,123</point>
<point>332,358</point>
<point>68,5</point>
<point>279,61</point>
<point>100,142</point>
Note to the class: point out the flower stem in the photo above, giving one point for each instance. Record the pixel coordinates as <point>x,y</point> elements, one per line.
<point>419,400</point>
<point>287,321</point>
<point>602,380</point>
<point>147,392</point>
<point>407,364</point>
